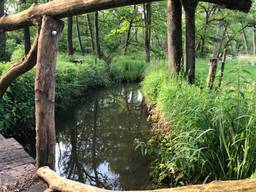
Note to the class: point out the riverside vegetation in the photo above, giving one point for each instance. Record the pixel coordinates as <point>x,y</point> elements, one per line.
<point>211,134</point>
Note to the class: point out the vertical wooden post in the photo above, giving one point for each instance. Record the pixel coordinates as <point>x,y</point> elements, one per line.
<point>45,91</point>
<point>223,62</point>
<point>212,73</point>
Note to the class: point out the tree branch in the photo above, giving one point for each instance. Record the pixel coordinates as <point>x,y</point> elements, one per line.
<point>60,9</point>
<point>63,8</point>
<point>20,68</point>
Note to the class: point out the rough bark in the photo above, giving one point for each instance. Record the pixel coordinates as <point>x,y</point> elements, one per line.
<point>63,8</point>
<point>57,183</point>
<point>79,35</point>
<point>147,20</point>
<point>45,91</point>
<point>174,33</point>
<point>3,35</point>
<point>190,9</point>
<point>18,69</point>
<point>97,35</point>
<point>70,36</point>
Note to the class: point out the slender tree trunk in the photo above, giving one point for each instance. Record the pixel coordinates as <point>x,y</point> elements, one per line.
<point>190,9</point>
<point>91,29</point>
<point>218,37</point>
<point>45,91</point>
<point>128,37</point>
<point>254,40</point>
<point>70,36</point>
<point>2,35</point>
<point>147,19</point>
<point>79,35</point>
<point>174,30</point>
<point>245,42</point>
<point>26,35</point>
<point>97,37</point>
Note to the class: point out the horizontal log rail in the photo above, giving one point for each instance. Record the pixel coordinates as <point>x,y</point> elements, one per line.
<point>62,8</point>
<point>57,183</point>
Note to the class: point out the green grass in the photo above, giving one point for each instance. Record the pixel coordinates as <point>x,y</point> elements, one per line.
<point>212,134</point>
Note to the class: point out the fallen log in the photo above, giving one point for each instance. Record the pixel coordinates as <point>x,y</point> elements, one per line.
<point>57,183</point>
<point>18,69</point>
<point>63,8</point>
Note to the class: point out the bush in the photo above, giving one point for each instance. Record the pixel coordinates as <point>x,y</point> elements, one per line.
<point>212,134</point>
<point>125,68</point>
<point>17,105</point>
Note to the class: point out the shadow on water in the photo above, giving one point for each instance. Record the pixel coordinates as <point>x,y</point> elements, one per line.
<point>96,140</point>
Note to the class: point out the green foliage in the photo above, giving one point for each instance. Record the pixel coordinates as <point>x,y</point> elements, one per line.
<point>212,134</point>
<point>127,68</point>
<point>17,105</point>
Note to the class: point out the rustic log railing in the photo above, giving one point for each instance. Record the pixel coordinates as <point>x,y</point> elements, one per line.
<point>57,183</point>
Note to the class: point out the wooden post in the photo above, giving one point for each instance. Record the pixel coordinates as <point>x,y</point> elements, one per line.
<point>45,91</point>
<point>223,62</point>
<point>212,73</point>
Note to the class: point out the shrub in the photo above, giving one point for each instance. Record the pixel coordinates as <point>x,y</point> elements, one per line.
<point>124,68</point>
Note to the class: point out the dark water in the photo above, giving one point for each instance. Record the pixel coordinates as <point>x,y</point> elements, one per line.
<point>96,140</point>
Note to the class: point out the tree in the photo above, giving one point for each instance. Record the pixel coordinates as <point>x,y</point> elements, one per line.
<point>147,20</point>
<point>70,36</point>
<point>3,35</point>
<point>96,35</point>
<point>26,32</point>
<point>174,20</point>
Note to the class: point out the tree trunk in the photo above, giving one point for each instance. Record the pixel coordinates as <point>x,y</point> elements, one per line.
<point>190,9</point>
<point>96,34</point>
<point>45,91</point>
<point>245,41</point>
<point>79,35</point>
<point>128,37</point>
<point>254,40</point>
<point>70,36</point>
<point>2,35</point>
<point>174,30</point>
<point>26,35</point>
<point>147,19</point>
<point>217,44</point>
<point>212,72</point>
<point>90,26</point>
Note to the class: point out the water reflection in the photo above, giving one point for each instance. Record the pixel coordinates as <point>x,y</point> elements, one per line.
<point>96,140</point>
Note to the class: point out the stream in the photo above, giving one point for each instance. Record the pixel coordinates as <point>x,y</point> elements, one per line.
<point>96,139</point>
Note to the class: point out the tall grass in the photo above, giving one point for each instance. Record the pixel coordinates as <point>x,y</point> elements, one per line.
<point>212,134</point>
<point>127,68</point>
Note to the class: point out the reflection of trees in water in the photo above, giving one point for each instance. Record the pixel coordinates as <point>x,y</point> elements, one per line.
<point>100,135</point>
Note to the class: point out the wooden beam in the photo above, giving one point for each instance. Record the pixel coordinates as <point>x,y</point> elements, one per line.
<point>59,9</point>
<point>57,183</point>
<point>241,5</point>
<point>18,69</point>
<point>45,91</point>
<point>63,8</point>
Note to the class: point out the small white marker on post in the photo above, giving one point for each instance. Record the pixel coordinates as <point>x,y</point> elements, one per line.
<point>54,33</point>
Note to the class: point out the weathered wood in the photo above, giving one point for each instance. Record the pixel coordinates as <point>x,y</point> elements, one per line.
<point>14,161</point>
<point>57,183</point>
<point>45,91</point>
<point>63,8</point>
<point>18,69</point>
<point>212,72</point>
